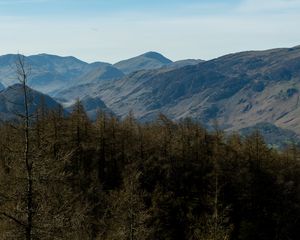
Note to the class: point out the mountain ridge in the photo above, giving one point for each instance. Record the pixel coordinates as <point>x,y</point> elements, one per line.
<point>238,90</point>
<point>145,61</point>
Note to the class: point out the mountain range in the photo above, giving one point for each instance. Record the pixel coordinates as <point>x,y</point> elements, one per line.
<point>239,90</point>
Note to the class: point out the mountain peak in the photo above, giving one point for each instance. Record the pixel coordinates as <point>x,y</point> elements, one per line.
<point>45,57</point>
<point>146,61</point>
<point>157,56</point>
<point>17,89</point>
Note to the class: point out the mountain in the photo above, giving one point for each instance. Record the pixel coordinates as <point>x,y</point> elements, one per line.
<point>68,95</point>
<point>12,102</point>
<point>92,106</point>
<point>103,72</point>
<point>275,136</point>
<point>238,90</point>
<point>183,63</point>
<point>50,73</point>
<point>2,87</point>
<point>146,61</point>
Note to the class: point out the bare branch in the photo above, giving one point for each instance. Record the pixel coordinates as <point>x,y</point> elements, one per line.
<point>13,218</point>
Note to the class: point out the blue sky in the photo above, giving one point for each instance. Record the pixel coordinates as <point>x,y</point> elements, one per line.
<point>111,30</point>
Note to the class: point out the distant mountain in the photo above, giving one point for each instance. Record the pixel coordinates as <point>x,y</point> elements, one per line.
<point>69,94</point>
<point>53,74</point>
<point>2,87</point>
<point>12,102</point>
<point>92,106</point>
<point>103,72</point>
<point>50,73</point>
<point>238,90</point>
<point>183,63</point>
<point>146,61</point>
<point>275,136</point>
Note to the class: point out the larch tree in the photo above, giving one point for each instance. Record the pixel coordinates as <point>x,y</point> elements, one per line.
<point>21,204</point>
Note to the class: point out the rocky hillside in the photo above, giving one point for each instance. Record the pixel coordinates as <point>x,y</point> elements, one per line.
<point>238,90</point>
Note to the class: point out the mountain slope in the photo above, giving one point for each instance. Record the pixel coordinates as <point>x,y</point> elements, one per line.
<point>12,102</point>
<point>69,94</point>
<point>1,86</point>
<point>146,61</point>
<point>238,90</point>
<point>102,72</point>
<point>183,63</point>
<point>276,137</point>
<point>50,73</point>
<point>92,106</point>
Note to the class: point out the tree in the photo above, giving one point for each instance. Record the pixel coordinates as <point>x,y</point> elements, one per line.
<point>129,216</point>
<point>23,72</point>
<point>36,198</point>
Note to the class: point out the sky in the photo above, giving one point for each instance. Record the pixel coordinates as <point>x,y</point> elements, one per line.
<point>112,30</point>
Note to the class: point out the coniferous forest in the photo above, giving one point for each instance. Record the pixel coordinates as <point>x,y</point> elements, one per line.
<point>65,177</point>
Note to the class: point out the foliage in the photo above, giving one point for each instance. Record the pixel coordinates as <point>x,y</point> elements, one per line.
<point>120,179</point>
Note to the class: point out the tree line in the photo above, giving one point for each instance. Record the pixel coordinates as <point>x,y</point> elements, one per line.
<point>121,179</point>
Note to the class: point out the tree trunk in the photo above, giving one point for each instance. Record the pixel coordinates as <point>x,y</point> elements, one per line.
<point>22,75</point>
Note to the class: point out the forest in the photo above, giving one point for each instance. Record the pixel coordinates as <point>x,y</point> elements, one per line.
<point>65,177</point>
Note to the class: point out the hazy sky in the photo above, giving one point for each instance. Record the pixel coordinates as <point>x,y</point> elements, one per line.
<point>111,30</point>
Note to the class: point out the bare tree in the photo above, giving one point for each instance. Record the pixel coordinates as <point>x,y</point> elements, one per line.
<point>22,216</point>
<point>23,70</point>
